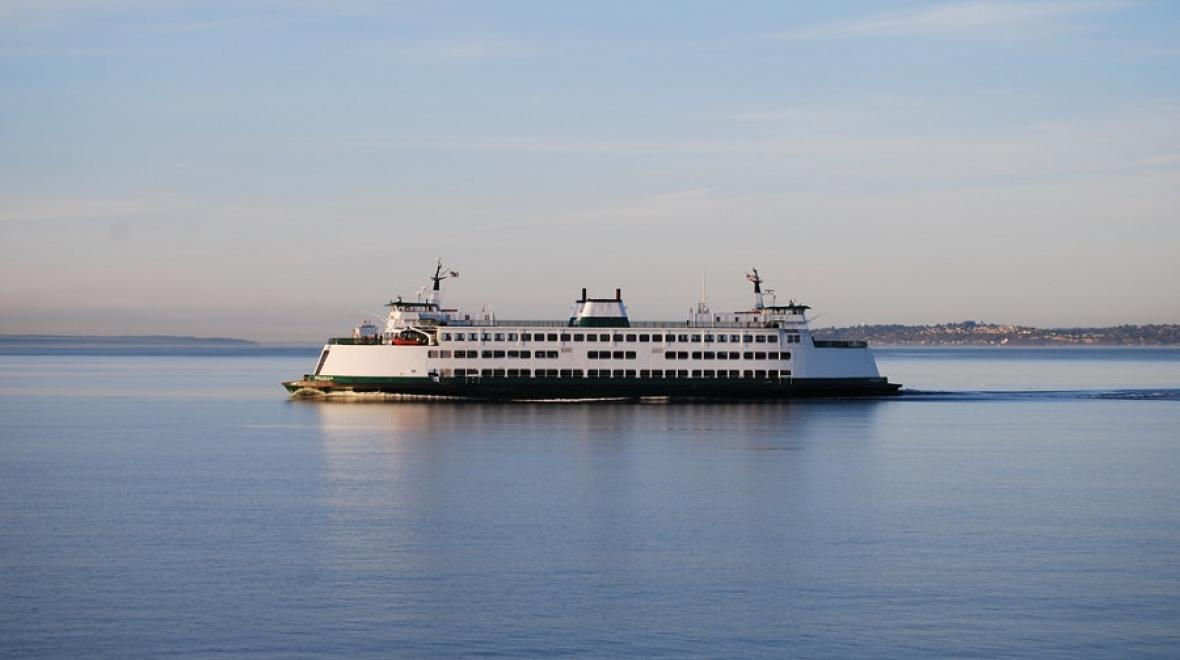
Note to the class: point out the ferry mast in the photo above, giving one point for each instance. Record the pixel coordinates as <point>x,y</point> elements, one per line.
<point>437,278</point>
<point>753,277</point>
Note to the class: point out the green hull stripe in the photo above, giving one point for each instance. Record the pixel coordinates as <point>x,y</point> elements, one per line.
<point>563,388</point>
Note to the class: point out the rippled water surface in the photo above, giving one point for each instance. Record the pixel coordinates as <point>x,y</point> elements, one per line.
<point>1012,502</point>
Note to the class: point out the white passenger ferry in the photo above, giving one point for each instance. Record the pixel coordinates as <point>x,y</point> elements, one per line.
<point>428,351</point>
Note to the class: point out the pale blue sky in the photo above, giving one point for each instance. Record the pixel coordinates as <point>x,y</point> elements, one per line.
<point>274,170</point>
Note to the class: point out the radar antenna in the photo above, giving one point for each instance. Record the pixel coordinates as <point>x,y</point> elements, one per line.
<point>753,277</point>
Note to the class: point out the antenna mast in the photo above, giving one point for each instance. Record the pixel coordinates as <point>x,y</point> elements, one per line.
<point>753,277</point>
<point>437,278</point>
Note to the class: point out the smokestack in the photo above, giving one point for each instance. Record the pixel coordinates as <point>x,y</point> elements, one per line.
<point>618,294</point>
<point>583,294</point>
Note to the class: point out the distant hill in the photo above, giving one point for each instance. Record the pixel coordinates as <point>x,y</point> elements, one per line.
<point>972,333</point>
<point>122,340</point>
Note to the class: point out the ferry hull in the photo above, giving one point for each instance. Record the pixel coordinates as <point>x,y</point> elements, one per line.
<point>502,389</point>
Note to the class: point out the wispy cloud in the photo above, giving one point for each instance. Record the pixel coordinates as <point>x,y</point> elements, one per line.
<point>461,50</point>
<point>81,210</point>
<point>958,18</point>
<point>36,12</point>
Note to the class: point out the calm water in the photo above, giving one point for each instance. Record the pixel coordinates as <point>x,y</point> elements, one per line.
<point>1019,503</point>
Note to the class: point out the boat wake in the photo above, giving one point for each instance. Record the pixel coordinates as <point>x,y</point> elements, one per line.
<point>1154,394</point>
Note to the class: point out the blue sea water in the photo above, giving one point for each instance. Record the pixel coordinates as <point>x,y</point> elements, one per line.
<point>1015,502</point>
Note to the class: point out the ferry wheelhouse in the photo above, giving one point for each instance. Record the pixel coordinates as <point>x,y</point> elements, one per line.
<point>428,351</point>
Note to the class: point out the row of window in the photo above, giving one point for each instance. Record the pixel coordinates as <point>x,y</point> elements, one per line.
<point>611,355</point>
<point>760,374</point>
<point>511,355</point>
<point>707,338</point>
<point>731,355</point>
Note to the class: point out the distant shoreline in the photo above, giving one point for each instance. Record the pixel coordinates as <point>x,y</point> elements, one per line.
<point>123,340</point>
<point>978,334</point>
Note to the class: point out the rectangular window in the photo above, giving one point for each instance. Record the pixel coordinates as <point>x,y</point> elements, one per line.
<point>747,374</point>
<point>734,355</point>
<point>645,373</point>
<point>761,373</point>
<point>564,336</point>
<point>631,338</point>
<point>670,374</point>
<point>513,354</point>
<point>786,355</point>
<point>630,355</point>
<point>657,373</point>
<point>644,338</point>
<point>618,338</point>
<point>525,354</point>
<point>446,336</point>
<point>721,339</point>
<point>708,373</point>
<point>746,339</point>
<point>682,373</point>
<point>618,373</point>
<point>708,355</point>
<point>588,337</point>
<point>772,355</point>
<point>513,373</point>
<point>512,336</point>
<point>722,355</point>
<point>577,373</point>
<point>708,339</point>
<point>681,355</point>
<point>592,373</point>
<point>498,373</point>
<point>552,336</point>
<point>760,339</point>
<point>772,374</point>
<point>487,355</point>
<point>696,373</point>
<point>748,355</point>
<point>485,373</point>
<point>682,338</point>
<point>760,355</point>
<point>526,337</point>
<point>499,355</point>
<point>565,373</point>
<point>630,373</point>
<point>695,339</point>
<point>618,355</point>
<point>431,354</point>
<point>785,372</point>
<point>444,354</point>
<point>499,336</point>
<point>669,355</point>
<point>696,355</point>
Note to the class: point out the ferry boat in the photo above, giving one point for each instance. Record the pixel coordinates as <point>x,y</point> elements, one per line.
<point>429,351</point>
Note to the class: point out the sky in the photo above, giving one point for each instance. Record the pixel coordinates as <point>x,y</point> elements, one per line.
<point>277,169</point>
